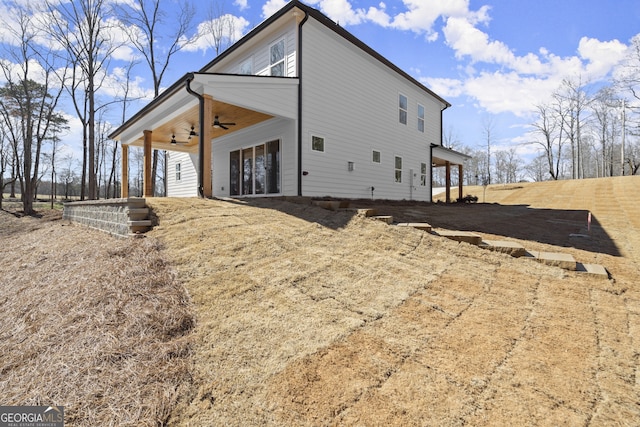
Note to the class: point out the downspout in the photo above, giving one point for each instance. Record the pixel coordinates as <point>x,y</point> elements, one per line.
<point>200,142</point>
<point>306,16</point>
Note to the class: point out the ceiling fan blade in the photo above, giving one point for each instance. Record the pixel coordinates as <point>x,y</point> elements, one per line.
<point>222,126</point>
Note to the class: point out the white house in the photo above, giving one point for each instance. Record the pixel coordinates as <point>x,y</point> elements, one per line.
<point>297,107</point>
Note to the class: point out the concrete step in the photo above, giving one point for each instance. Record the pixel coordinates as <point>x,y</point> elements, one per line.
<point>384,218</point>
<point>595,270</point>
<point>418,225</point>
<point>139,226</point>
<point>138,214</point>
<point>460,236</point>
<point>556,259</point>
<point>504,246</point>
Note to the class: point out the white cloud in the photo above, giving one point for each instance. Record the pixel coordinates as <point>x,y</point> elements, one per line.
<point>447,88</point>
<point>272,6</point>
<point>241,4</point>
<point>204,40</point>
<point>601,56</point>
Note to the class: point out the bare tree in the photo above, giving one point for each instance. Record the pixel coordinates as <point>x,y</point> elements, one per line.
<point>28,107</point>
<point>549,128</point>
<point>219,27</point>
<point>79,27</point>
<point>488,126</point>
<point>158,37</point>
<point>574,101</point>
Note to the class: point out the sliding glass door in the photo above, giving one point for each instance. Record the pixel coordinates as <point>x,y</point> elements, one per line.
<point>255,170</point>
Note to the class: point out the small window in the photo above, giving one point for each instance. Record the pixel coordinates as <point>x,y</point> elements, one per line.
<point>376,156</point>
<point>276,61</point>
<point>246,67</point>
<point>420,118</point>
<point>178,172</point>
<point>423,174</point>
<point>402,105</point>
<point>317,143</point>
<point>398,169</point>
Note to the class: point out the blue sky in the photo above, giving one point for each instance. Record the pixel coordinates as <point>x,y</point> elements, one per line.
<point>493,60</point>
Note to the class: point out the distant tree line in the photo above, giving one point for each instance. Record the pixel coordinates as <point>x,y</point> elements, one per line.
<point>61,52</point>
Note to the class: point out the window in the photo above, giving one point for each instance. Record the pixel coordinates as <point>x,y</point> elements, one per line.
<point>178,172</point>
<point>317,143</point>
<point>276,60</point>
<point>420,118</point>
<point>398,169</point>
<point>246,67</point>
<point>402,105</point>
<point>376,156</point>
<point>423,174</point>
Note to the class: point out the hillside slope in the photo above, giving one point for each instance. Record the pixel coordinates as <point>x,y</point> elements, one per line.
<point>312,317</point>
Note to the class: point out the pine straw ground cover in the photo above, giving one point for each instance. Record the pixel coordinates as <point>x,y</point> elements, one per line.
<point>312,317</point>
<point>91,322</point>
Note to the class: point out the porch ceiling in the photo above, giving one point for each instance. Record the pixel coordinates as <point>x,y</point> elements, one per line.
<point>441,155</point>
<point>180,126</point>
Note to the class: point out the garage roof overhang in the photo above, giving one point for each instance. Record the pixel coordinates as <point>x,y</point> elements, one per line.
<point>241,99</point>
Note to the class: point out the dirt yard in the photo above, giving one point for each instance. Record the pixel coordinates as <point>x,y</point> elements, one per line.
<point>305,316</point>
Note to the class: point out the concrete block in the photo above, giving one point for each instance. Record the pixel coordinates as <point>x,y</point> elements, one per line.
<point>595,270</point>
<point>556,259</point>
<point>418,225</point>
<point>384,218</point>
<point>460,236</point>
<point>504,246</point>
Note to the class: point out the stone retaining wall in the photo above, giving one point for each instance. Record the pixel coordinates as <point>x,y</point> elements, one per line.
<point>121,217</point>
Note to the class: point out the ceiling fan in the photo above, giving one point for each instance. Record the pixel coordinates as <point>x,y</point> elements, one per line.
<point>218,125</point>
<point>174,142</point>
<point>193,132</point>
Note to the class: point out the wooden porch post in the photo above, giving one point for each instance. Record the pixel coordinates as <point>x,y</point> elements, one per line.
<point>448,181</point>
<point>124,184</point>
<point>205,139</point>
<point>147,192</point>
<point>460,176</point>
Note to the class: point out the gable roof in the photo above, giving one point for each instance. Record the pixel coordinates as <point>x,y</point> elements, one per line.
<point>333,26</point>
<point>309,11</point>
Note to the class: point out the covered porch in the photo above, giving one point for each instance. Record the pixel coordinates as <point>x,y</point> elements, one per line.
<point>447,158</point>
<point>196,110</point>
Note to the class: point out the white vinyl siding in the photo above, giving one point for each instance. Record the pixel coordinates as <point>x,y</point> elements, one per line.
<point>275,129</point>
<point>336,76</point>
<point>183,182</point>
<point>258,51</point>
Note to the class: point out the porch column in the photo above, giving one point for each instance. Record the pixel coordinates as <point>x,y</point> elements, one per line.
<point>460,182</point>
<point>124,182</point>
<point>205,139</point>
<point>448,181</point>
<point>147,191</point>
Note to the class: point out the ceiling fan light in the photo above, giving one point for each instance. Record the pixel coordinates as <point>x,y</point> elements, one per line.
<point>173,140</point>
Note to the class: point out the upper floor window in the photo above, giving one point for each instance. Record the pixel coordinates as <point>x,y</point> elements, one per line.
<point>420,118</point>
<point>376,156</point>
<point>402,105</point>
<point>246,67</point>
<point>276,58</point>
<point>317,143</point>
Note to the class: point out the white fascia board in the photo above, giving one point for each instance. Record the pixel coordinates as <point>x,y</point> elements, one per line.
<point>449,155</point>
<point>276,96</point>
<point>171,107</point>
